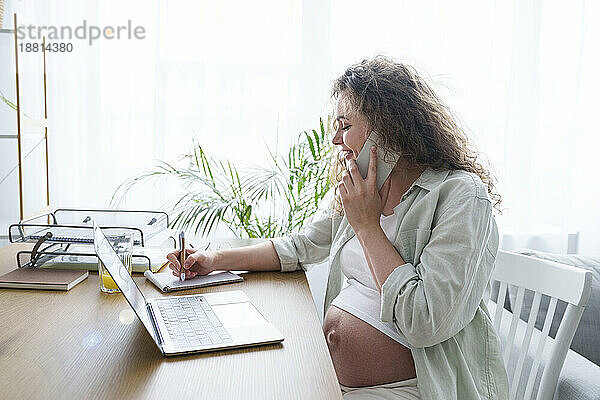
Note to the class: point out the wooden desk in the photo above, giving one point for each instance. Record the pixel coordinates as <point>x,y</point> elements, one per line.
<point>84,344</point>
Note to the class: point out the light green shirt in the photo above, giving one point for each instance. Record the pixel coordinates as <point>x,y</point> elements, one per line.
<point>448,237</point>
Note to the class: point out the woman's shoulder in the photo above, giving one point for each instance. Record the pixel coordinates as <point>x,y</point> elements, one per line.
<point>461,191</point>
<point>461,184</point>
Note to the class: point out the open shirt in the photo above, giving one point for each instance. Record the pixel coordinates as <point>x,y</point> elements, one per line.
<point>448,238</point>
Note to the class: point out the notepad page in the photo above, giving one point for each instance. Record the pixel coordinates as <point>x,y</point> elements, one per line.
<point>166,281</point>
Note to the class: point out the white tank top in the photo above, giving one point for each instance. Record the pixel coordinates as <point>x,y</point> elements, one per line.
<point>361,297</point>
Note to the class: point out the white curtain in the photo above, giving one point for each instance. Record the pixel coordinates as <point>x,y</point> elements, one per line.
<point>240,75</point>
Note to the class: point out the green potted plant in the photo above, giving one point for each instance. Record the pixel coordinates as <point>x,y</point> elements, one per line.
<point>252,201</point>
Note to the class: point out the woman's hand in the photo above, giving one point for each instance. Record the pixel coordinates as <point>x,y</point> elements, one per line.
<point>196,263</point>
<point>360,197</point>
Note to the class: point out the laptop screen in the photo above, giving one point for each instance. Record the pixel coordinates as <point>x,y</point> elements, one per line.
<point>124,281</point>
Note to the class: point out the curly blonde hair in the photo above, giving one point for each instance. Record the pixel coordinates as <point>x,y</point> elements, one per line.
<point>410,118</point>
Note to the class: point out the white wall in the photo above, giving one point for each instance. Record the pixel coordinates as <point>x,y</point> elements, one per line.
<point>521,75</point>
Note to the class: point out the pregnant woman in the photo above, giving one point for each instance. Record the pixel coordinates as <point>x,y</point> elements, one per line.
<point>417,254</point>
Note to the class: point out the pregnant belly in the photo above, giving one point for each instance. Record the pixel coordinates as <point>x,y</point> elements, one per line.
<point>363,355</point>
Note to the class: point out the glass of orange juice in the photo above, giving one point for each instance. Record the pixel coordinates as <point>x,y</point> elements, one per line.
<point>123,246</point>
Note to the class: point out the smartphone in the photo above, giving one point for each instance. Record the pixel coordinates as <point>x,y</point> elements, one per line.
<point>384,166</point>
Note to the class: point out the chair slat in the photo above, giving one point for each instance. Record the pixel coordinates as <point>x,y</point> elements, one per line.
<point>513,324</point>
<point>540,349</point>
<point>500,306</point>
<point>487,292</point>
<point>535,307</point>
<point>562,341</point>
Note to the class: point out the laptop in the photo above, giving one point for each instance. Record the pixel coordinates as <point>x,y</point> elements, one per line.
<point>193,323</point>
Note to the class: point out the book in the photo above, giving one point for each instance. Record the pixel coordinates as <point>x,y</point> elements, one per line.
<point>167,282</point>
<point>48,279</point>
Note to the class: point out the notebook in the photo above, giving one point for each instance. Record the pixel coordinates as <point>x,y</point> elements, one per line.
<point>167,282</point>
<point>35,278</point>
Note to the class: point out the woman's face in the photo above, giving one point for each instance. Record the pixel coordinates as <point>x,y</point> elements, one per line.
<point>351,132</point>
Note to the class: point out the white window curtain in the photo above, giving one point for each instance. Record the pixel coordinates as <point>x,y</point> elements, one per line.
<point>239,75</point>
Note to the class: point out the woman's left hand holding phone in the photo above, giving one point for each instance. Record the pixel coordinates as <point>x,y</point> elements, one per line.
<point>360,197</point>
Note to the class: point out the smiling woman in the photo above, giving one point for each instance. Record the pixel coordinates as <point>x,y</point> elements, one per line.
<point>417,254</point>
<point>392,99</point>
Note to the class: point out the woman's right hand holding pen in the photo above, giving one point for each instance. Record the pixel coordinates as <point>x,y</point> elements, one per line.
<point>197,262</point>
<point>258,257</point>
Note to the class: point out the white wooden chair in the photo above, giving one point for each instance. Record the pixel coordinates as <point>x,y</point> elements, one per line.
<point>560,282</point>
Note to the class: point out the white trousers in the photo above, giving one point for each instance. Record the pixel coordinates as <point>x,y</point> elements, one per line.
<point>402,390</point>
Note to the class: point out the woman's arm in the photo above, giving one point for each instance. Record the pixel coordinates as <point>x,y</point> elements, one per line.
<point>382,257</point>
<point>287,253</point>
<point>259,257</point>
<point>435,299</point>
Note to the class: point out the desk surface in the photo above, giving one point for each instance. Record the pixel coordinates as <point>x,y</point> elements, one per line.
<point>86,344</point>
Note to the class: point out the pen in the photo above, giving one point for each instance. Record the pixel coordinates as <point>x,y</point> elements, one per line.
<point>182,255</point>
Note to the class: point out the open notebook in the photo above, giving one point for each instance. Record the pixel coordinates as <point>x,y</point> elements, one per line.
<point>167,282</point>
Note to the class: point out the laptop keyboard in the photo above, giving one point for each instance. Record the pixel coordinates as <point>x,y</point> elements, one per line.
<point>191,322</point>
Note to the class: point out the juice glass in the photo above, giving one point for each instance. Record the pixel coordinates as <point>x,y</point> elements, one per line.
<point>123,245</point>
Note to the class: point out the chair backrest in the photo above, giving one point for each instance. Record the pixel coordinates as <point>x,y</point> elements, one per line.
<point>558,281</point>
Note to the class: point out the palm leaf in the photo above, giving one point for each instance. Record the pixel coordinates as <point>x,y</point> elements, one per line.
<point>252,201</point>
